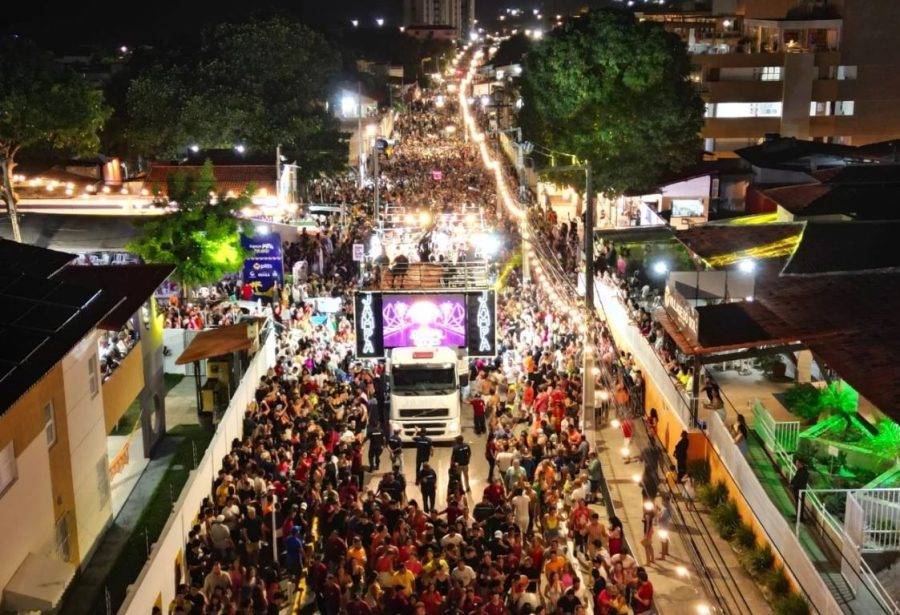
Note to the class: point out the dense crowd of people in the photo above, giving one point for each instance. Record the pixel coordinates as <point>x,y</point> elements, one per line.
<point>307,492</point>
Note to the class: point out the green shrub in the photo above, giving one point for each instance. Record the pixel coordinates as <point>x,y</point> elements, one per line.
<point>711,495</point>
<point>759,560</point>
<point>744,537</point>
<point>776,581</point>
<point>699,471</point>
<point>726,518</point>
<point>790,604</point>
<point>803,400</point>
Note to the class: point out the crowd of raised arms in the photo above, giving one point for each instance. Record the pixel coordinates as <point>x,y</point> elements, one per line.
<point>312,475</point>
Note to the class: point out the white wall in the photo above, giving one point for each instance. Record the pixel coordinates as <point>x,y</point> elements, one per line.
<point>87,445</point>
<point>26,510</point>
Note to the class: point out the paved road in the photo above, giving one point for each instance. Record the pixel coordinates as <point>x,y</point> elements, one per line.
<point>440,461</point>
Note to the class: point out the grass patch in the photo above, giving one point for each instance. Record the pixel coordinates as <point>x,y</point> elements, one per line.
<point>129,419</point>
<point>172,380</point>
<point>133,557</point>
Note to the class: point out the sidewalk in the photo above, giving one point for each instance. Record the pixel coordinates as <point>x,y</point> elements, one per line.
<point>677,587</point>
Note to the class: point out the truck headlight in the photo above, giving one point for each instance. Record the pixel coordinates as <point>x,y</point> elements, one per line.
<point>453,425</point>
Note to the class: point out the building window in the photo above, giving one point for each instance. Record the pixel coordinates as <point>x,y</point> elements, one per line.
<point>49,425</point>
<point>747,109</point>
<point>62,538</point>
<point>843,107</point>
<point>817,108</point>
<point>93,376</point>
<point>9,471</point>
<point>846,73</point>
<point>770,73</point>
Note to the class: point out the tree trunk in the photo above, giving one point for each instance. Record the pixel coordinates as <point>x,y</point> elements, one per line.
<point>6,168</point>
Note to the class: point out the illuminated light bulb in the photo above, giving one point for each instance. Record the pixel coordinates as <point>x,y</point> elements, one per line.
<point>636,478</point>
<point>145,192</point>
<point>664,535</point>
<point>615,423</point>
<point>106,190</point>
<point>626,452</point>
<point>681,571</point>
<point>424,218</point>
<point>648,505</point>
<point>123,191</point>
<point>702,609</point>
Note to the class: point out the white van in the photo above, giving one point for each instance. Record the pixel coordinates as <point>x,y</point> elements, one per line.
<point>424,386</point>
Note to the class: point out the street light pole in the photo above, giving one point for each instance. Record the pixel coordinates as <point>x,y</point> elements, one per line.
<point>359,133</point>
<point>377,178</point>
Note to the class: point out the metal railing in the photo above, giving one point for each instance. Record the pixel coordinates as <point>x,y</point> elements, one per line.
<point>779,437</point>
<point>880,514</point>
<point>841,544</point>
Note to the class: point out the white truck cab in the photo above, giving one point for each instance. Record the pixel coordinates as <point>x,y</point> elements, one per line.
<point>424,387</point>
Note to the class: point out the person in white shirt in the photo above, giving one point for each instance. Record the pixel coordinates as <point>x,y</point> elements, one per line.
<point>463,574</point>
<point>522,507</point>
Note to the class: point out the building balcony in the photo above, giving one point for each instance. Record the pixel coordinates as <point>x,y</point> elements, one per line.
<point>741,91</point>
<point>743,127</point>
<point>123,386</point>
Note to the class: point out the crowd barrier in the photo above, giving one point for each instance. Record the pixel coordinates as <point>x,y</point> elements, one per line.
<point>156,583</point>
<point>629,337</point>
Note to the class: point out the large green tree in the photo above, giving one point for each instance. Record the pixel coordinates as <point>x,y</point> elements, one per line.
<point>42,105</point>
<point>201,238</point>
<point>259,84</point>
<point>616,92</point>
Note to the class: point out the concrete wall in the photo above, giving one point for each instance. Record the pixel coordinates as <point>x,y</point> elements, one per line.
<point>87,446</point>
<point>26,510</point>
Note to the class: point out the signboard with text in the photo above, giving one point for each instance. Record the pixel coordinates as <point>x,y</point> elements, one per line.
<point>263,267</point>
<point>457,320</point>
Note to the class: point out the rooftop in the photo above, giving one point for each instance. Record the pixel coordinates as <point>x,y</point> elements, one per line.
<point>862,192</point>
<point>846,247</point>
<point>797,154</point>
<point>133,284</point>
<point>47,306</point>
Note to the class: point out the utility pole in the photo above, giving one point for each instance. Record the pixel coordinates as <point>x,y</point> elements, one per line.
<point>278,175</point>
<point>588,352</point>
<point>359,133</point>
<point>377,177</point>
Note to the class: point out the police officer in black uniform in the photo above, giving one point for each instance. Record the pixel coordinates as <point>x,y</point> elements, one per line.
<point>395,445</point>
<point>462,454</point>
<point>428,484</point>
<point>423,450</point>
<point>376,445</point>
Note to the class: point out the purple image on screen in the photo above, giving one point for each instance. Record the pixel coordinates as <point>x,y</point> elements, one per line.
<point>424,320</point>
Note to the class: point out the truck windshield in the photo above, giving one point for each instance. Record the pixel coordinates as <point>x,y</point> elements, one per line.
<point>422,378</point>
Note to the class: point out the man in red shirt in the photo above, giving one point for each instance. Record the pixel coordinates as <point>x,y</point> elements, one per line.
<point>478,413</point>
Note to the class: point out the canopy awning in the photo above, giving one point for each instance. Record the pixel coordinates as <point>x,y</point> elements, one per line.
<point>38,584</point>
<point>219,342</point>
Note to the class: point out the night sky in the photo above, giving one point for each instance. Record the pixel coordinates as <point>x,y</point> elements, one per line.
<point>64,25</point>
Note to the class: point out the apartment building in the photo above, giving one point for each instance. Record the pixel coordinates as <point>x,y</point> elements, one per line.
<point>458,14</point>
<point>825,70</point>
<point>58,405</point>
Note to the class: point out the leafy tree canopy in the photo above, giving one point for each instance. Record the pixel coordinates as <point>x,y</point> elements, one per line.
<point>614,91</point>
<point>259,84</point>
<point>201,238</point>
<point>44,103</point>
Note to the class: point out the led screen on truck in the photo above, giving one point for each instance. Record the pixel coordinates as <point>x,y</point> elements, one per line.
<point>424,320</point>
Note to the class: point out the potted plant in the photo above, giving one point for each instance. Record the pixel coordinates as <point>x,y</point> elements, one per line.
<point>771,365</point>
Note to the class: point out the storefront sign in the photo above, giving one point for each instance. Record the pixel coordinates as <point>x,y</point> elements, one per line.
<point>684,314</point>
<point>263,268</point>
<point>359,252</point>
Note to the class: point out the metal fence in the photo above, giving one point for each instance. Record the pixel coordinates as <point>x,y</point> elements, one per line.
<point>779,437</point>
